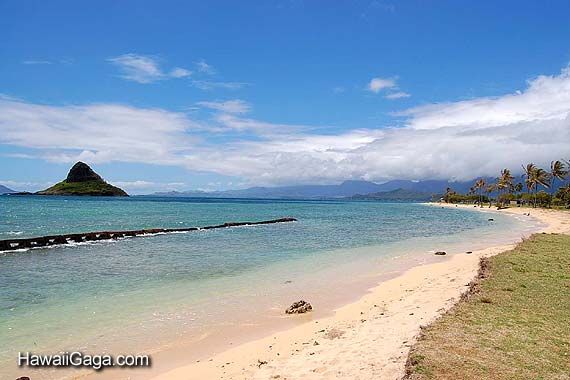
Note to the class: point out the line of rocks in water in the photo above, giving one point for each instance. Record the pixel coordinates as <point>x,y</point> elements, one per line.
<point>46,241</point>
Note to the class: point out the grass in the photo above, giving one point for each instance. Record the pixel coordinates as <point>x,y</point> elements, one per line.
<point>515,323</point>
<point>84,188</point>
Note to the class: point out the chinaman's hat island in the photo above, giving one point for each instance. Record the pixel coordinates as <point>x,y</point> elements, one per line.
<point>82,180</point>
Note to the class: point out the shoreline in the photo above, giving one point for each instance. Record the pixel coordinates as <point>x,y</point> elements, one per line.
<point>372,335</point>
<point>342,278</point>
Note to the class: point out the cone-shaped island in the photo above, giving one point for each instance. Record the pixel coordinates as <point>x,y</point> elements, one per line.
<point>82,180</point>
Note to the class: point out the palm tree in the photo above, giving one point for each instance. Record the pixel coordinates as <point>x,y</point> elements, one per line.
<point>540,177</point>
<point>448,193</point>
<point>530,185</point>
<point>557,170</point>
<point>479,185</point>
<point>489,189</point>
<point>505,181</point>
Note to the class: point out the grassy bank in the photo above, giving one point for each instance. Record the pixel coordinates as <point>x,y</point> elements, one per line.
<point>515,324</point>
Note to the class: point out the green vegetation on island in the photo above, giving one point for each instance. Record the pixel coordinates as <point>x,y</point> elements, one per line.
<point>514,325</point>
<point>83,181</point>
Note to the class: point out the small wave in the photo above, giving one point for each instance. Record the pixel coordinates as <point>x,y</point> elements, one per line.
<point>15,250</point>
<point>14,232</point>
<point>68,244</point>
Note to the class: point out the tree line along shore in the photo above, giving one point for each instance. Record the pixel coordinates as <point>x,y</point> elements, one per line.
<point>536,187</point>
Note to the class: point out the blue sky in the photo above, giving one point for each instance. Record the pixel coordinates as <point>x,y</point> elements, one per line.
<point>225,94</point>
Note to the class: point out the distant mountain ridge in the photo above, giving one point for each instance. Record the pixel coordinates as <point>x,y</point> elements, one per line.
<point>6,190</point>
<point>395,195</point>
<point>345,189</point>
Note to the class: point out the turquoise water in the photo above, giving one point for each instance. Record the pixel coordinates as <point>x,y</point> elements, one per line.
<point>104,295</point>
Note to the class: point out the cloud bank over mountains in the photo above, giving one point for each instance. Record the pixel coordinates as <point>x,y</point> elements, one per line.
<point>456,140</point>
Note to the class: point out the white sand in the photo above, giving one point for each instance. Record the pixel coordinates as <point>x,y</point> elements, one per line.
<point>367,339</point>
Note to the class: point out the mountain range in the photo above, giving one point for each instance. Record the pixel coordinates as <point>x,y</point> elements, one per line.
<point>5,190</point>
<point>414,189</point>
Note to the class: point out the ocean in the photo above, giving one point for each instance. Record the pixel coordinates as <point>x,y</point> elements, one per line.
<point>206,289</point>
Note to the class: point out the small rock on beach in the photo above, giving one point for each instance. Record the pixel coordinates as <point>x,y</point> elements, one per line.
<point>299,307</point>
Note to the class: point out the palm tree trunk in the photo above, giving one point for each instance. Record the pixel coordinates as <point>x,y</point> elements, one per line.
<point>551,192</point>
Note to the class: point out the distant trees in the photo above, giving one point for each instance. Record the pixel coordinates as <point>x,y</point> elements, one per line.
<point>479,185</point>
<point>533,178</point>
<point>562,196</point>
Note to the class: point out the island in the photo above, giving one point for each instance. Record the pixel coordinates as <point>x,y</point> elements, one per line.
<point>82,180</point>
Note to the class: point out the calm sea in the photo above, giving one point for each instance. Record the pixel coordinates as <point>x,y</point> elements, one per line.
<point>151,293</point>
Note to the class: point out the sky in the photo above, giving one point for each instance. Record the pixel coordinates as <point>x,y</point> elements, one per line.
<point>180,95</point>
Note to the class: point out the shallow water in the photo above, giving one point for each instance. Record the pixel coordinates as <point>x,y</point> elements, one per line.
<point>152,292</point>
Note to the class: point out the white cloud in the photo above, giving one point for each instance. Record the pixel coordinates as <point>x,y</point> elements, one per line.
<point>397,95</point>
<point>134,184</point>
<point>546,98</point>
<point>205,68</point>
<point>95,133</point>
<point>144,69</point>
<point>377,84</point>
<point>146,187</point>
<point>18,185</point>
<point>37,62</point>
<point>338,90</point>
<point>138,68</point>
<point>229,106</point>
<point>179,72</point>
<point>262,129</point>
<point>209,85</point>
<point>458,140</point>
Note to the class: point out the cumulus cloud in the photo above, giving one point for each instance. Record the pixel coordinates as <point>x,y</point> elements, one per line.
<point>144,69</point>
<point>377,84</point>
<point>229,106</point>
<point>458,140</point>
<point>546,98</point>
<point>95,133</point>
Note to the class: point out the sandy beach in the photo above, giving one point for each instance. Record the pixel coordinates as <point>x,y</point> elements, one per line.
<point>367,339</point>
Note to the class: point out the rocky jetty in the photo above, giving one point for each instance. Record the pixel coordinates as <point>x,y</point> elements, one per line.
<point>299,307</point>
<point>46,241</point>
<point>82,180</point>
